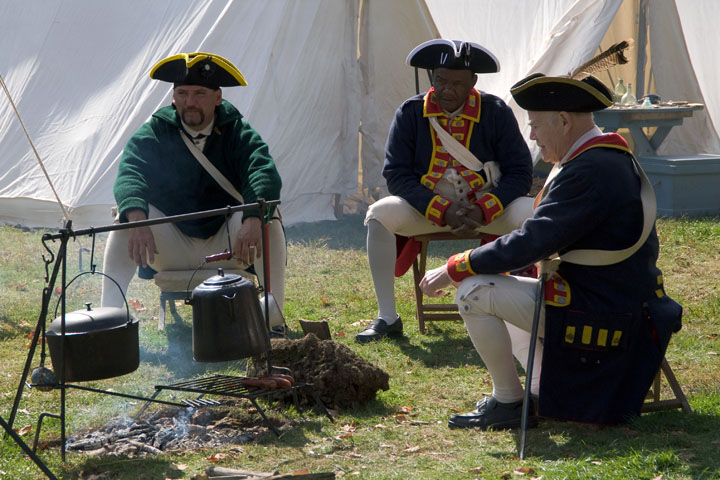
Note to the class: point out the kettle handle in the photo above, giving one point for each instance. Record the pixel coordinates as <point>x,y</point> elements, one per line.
<point>95,272</point>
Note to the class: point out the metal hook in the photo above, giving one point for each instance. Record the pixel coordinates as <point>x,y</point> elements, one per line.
<point>227,228</point>
<point>52,256</point>
<point>92,251</point>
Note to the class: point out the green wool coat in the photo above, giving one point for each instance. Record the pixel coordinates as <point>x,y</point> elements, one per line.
<point>157,168</point>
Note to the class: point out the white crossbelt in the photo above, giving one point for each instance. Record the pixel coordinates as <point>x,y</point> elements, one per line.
<point>465,156</point>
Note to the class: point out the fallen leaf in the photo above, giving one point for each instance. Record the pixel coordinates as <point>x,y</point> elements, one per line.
<point>99,476</point>
<point>325,301</point>
<point>406,409</point>
<point>479,469</point>
<point>379,426</point>
<point>354,455</point>
<point>414,449</point>
<point>448,442</point>
<point>712,353</point>
<point>350,427</point>
<point>216,457</point>
<point>179,466</point>
<point>523,471</point>
<point>343,436</point>
<point>24,430</point>
<point>361,323</point>
<point>659,477</point>
<point>137,306</point>
<point>340,334</point>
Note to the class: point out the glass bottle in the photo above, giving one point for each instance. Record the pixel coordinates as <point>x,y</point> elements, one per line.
<point>620,90</point>
<point>629,97</point>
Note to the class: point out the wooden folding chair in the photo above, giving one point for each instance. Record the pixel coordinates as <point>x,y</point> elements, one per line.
<point>655,404</point>
<point>433,312</point>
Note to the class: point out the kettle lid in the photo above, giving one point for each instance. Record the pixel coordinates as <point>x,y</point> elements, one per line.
<point>90,320</point>
<point>222,278</point>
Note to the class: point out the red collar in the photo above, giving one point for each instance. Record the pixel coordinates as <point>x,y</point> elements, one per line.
<point>471,108</point>
<point>608,140</point>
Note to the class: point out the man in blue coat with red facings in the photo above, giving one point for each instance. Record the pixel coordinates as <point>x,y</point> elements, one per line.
<point>607,319</point>
<point>435,186</point>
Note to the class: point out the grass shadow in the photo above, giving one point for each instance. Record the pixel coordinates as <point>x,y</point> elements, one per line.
<point>346,233</point>
<point>444,348</point>
<point>668,439</point>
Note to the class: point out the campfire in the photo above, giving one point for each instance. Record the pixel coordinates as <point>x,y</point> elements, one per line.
<point>169,429</point>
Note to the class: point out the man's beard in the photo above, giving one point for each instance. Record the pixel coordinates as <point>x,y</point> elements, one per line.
<point>192,123</point>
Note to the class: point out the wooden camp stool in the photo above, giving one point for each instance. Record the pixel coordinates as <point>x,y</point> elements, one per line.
<point>434,312</point>
<point>655,404</point>
<point>173,285</point>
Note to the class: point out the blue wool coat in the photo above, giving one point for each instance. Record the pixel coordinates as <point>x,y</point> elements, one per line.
<point>496,136</point>
<point>604,347</point>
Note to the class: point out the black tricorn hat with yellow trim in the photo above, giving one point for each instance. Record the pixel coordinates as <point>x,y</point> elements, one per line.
<point>538,92</point>
<point>199,68</point>
<point>453,54</point>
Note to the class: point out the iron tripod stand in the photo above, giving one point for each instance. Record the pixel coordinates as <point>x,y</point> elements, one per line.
<point>60,268</point>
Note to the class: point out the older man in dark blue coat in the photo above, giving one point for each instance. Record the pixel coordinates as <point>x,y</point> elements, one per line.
<point>607,322</point>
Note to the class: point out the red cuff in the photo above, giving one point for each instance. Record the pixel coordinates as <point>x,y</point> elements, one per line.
<point>458,266</point>
<point>490,205</point>
<point>436,209</point>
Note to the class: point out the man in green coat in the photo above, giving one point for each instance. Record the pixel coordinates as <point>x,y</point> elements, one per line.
<point>160,176</point>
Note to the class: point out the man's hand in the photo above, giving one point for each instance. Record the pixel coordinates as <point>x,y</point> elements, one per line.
<point>434,281</point>
<point>248,243</point>
<point>472,217</point>
<point>141,244</point>
<point>453,215</point>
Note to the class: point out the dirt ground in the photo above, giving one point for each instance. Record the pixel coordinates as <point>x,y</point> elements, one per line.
<point>341,378</point>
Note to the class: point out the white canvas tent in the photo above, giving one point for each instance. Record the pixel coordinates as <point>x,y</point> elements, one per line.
<point>325,77</point>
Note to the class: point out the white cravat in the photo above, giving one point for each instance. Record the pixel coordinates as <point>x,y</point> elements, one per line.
<point>199,136</point>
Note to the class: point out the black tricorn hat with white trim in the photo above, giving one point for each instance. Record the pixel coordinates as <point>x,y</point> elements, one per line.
<point>538,92</point>
<point>199,68</point>
<point>453,54</point>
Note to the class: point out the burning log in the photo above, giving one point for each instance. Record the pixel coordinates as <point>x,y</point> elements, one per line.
<point>218,473</point>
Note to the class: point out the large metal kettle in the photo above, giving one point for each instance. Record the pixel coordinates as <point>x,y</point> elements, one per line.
<point>228,323</point>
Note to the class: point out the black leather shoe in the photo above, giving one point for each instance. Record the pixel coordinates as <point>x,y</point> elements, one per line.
<point>379,329</point>
<point>492,414</point>
<point>278,331</point>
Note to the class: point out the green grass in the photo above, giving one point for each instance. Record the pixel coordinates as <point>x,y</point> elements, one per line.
<point>402,433</point>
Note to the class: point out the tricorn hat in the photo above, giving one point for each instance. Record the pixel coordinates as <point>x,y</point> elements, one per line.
<point>538,92</point>
<point>453,54</point>
<point>199,68</point>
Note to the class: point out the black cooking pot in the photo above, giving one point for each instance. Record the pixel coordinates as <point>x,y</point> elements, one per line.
<point>99,343</point>
<point>227,320</point>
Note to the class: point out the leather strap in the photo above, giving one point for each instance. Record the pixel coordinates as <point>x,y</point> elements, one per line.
<point>609,257</point>
<point>214,172</point>
<point>465,156</point>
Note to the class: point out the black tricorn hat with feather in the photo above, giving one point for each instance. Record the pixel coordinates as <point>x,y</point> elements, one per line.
<point>453,54</point>
<point>578,92</point>
<point>538,92</point>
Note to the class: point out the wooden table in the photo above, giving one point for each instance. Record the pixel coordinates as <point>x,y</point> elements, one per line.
<point>636,118</point>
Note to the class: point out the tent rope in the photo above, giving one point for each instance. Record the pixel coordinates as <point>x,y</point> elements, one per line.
<point>37,155</point>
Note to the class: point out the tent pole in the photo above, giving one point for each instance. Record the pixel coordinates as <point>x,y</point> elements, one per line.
<point>642,44</point>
